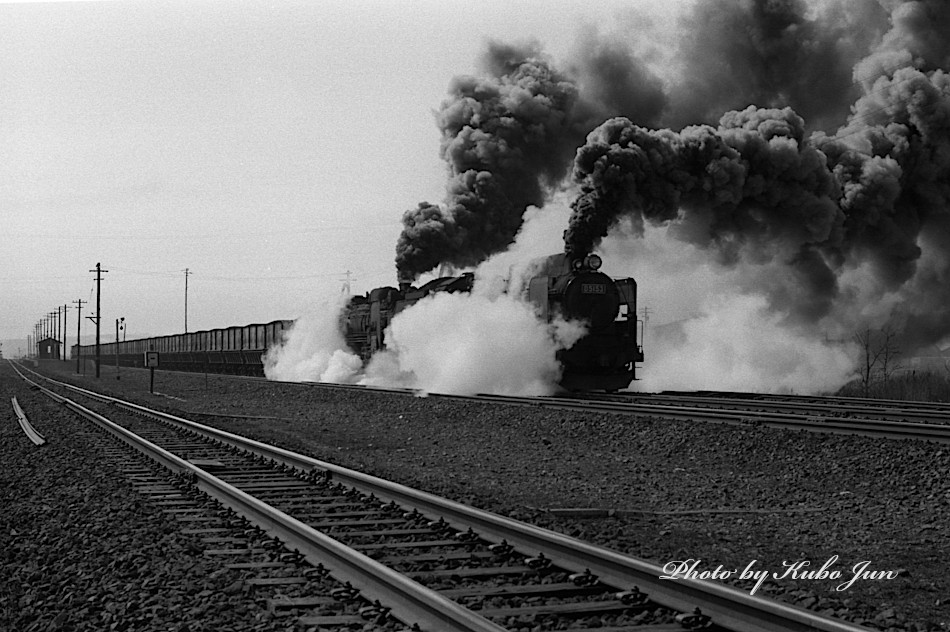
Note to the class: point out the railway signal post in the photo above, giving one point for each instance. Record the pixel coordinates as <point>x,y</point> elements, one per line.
<point>151,361</point>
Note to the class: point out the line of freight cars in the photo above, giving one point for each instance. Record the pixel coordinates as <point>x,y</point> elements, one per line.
<point>235,350</point>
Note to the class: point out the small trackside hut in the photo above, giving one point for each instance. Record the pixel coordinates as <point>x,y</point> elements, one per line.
<point>49,349</point>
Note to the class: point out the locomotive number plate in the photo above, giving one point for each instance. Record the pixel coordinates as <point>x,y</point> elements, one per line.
<point>593,288</point>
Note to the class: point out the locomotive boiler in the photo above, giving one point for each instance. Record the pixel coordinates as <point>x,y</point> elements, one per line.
<point>604,358</point>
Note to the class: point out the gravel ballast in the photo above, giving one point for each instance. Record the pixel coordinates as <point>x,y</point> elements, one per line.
<point>80,550</point>
<point>675,490</point>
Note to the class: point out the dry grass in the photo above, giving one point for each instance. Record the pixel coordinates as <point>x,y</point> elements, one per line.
<point>924,386</point>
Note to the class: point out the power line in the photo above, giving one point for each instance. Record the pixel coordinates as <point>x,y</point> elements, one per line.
<point>213,277</point>
<point>274,278</point>
<point>157,273</point>
<point>250,234</point>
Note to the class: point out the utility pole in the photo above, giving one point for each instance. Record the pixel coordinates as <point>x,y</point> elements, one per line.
<point>187,274</point>
<point>65,307</point>
<point>78,332</point>
<point>98,317</point>
<point>51,323</point>
<point>346,284</point>
<point>59,319</point>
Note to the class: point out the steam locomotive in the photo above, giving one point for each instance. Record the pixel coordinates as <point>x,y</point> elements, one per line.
<point>604,359</point>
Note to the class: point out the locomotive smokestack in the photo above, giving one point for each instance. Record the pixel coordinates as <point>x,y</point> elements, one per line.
<point>404,280</point>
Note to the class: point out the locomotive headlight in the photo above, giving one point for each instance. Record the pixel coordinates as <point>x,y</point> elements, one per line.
<point>594,262</point>
<point>578,264</point>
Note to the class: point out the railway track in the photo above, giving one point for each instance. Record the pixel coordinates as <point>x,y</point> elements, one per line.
<point>865,419</point>
<point>427,560</point>
<point>842,407</point>
<point>28,429</point>
<point>892,419</point>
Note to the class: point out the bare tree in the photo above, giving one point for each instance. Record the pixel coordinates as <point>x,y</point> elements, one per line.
<point>870,358</point>
<point>889,353</point>
<point>879,356</point>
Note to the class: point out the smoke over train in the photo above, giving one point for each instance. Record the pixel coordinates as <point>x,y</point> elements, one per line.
<point>802,148</point>
<point>777,179</point>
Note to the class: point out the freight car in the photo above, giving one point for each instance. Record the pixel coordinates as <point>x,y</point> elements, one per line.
<point>604,359</point>
<point>234,350</point>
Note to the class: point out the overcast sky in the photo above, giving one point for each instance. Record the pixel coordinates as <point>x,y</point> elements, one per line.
<point>267,147</point>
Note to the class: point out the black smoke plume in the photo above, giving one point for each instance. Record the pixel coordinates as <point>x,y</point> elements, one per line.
<point>774,54</point>
<point>750,189</point>
<point>503,138</point>
<point>831,162</point>
<point>757,189</point>
<point>509,134</point>
<point>508,138</point>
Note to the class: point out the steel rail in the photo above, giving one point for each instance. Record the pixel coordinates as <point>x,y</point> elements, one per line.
<point>883,410</point>
<point>813,422</point>
<point>803,415</point>
<point>837,404</point>
<point>408,600</point>
<point>810,422</point>
<point>32,433</point>
<point>727,606</point>
<point>804,405</point>
<point>838,401</point>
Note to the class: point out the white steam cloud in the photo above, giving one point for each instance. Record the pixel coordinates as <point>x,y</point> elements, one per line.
<point>710,330</point>
<point>313,349</point>
<point>470,343</point>
<point>484,342</point>
<point>739,345</point>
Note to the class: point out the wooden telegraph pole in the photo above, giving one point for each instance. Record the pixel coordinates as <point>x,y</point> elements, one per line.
<point>187,274</point>
<point>98,317</point>
<point>79,332</point>
<point>65,307</point>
